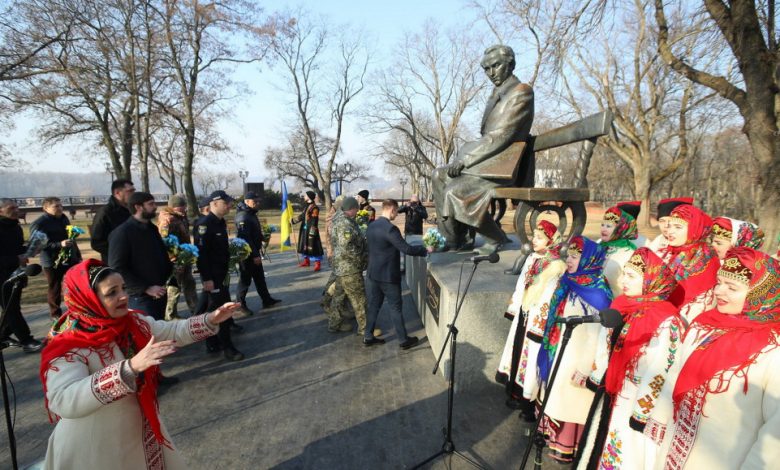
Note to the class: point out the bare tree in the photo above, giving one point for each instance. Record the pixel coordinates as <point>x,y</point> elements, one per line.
<point>423,96</point>
<point>202,41</point>
<point>292,160</point>
<point>324,74</point>
<point>748,31</point>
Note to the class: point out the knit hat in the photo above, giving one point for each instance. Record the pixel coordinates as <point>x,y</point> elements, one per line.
<point>177,200</point>
<point>349,204</point>
<point>363,193</point>
<point>312,195</point>
<point>139,197</point>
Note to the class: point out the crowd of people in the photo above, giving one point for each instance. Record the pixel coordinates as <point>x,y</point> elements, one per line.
<point>694,357</point>
<point>689,379</point>
<point>121,318</point>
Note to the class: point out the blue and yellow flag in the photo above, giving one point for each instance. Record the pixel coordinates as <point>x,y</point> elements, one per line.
<point>286,222</point>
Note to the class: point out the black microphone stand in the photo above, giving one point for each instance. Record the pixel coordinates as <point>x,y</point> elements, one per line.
<point>448,448</point>
<point>6,404</point>
<point>537,437</point>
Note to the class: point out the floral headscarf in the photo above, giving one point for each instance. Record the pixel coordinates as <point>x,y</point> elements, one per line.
<point>643,314</point>
<point>695,264</point>
<point>625,228</point>
<point>87,324</point>
<point>591,289</point>
<point>738,232</point>
<point>735,341</point>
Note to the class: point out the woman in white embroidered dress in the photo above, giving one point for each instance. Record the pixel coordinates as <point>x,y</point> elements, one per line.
<point>619,235</point>
<point>723,411</point>
<point>528,311</point>
<point>581,290</point>
<point>100,370</point>
<point>645,350</point>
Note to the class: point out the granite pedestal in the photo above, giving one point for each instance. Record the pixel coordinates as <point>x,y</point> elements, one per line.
<point>434,286</point>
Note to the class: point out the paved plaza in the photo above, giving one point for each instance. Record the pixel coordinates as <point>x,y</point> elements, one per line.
<point>303,398</point>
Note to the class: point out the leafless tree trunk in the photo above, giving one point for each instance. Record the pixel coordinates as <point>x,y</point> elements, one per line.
<point>751,39</point>
<point>302,47</point>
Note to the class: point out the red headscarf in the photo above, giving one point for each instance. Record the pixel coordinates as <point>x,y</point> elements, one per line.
<point>87,324</point>
<point>695,264</point>
<point>735,341</point>
<point>642,314</point>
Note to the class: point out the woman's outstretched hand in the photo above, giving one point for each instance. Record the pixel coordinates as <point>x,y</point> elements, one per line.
<point>152,354</point>
<point>224,312</point>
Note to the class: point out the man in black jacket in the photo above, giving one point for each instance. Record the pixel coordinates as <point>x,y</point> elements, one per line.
<point>248,227</point>
<point>415,215</point>
<point>53,223</point>
<point>385,244</point>
<point>12,256</point>
<point>213,260</point>
<point>111,216</point>
<point>137,252</point>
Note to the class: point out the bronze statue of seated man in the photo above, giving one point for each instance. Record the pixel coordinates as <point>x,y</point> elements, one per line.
<point>463,189</point>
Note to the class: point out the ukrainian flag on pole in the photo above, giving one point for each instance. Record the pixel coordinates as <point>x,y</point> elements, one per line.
<point>286,222</point>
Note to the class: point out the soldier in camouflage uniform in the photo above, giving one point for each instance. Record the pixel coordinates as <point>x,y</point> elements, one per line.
<point>350,259</point>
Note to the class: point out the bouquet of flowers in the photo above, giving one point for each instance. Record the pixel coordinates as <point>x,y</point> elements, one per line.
<point>171,243</point>
<point>433,238</point>
<point>65,252</point>
<point>361,218</point>
<point>270,228</point>
<point>239,250</point>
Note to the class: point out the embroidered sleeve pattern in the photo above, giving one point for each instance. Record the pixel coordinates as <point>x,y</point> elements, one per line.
<point>660,356</point>
<point>107,384</point>
<point>199,328</point>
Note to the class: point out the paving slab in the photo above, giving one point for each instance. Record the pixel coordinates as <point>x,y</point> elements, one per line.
<point>303,398</point>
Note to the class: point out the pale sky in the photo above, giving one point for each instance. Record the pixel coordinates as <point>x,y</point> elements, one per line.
<point>258,119</point>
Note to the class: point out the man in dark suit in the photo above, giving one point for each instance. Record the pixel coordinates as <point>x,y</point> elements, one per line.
<point>385,244</point>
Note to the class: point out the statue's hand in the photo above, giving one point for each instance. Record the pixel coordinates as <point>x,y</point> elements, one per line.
<point>455,169</point>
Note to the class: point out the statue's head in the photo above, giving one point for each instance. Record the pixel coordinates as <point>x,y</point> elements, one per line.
<point>498,63</point>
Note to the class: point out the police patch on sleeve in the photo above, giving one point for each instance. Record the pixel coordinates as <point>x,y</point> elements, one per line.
<point>202,229</point>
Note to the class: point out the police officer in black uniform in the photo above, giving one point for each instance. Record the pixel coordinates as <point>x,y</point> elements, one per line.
<point>211,236</point>
<point>248,227</point>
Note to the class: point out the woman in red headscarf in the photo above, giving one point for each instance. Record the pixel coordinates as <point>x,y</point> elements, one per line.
<point>723,411</point>
<point>645,350</point>
<point>728,233</point>
<point>693,261</point>
<point>528,311</point>
<point>100,370</point>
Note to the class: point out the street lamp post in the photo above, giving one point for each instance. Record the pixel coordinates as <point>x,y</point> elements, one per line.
<point>243,175</point>
<point>110,171</point>
<point>340,173</point>
<point>403,182</point>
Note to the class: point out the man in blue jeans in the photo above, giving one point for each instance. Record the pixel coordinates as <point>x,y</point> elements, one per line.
<point>383,281</point>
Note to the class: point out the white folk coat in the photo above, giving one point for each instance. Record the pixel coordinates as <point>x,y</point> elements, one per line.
<point>101,425</point>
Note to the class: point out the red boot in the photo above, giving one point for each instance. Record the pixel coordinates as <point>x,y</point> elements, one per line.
<point>317,266</point>
<point>304,263</point>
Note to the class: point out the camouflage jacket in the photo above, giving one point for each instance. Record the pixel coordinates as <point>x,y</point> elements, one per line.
<point>350,249</point>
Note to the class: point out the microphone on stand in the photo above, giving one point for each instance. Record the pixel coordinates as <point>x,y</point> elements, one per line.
<point>492,258</point>
<point>609,318</point>
<point>22,273</point>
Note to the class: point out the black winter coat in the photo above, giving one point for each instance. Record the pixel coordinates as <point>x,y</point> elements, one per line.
<point>55,230</point>
<point>248,227</point>
<point>137,251</point>
<point>11,246</point>
<point>108,217</point>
